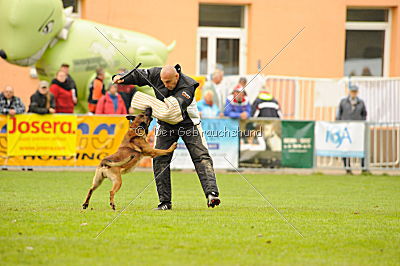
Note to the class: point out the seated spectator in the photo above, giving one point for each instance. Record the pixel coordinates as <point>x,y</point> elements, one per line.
<point>96,90</point>
<point>265,106</point>
<point>206,106</point>
<point>10,104</point>
<point>111,102</point>
<point>126,91</point>
<point>237,105</point>
<point>62,93</point>
<point>42,101</point>
<point>71,82</point>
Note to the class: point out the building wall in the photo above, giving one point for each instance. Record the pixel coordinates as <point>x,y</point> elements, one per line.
<point>317,52</point>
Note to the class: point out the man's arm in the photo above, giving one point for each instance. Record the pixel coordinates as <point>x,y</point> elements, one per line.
<point>339,112</point>
<point>185,97</point>
<point>34,107</point>
<point>19,106</point>
<point>138,77</point>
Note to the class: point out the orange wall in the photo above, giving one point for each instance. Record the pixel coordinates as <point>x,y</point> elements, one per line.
<point>317,52</point>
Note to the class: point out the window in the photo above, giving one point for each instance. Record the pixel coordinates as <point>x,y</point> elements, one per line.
<point>221,16</point>
<point>74,3</point>
<point>367,42</point>
<point>221,39</point>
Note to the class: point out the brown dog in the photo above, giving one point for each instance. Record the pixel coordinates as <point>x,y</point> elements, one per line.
<point>133,147</point>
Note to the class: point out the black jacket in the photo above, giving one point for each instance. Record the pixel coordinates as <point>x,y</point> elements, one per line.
<point>38,103</point>
<point>183,92</point>
<point>346,112</point>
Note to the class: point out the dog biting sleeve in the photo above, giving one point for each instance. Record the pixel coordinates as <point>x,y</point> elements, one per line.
<point>168,111</point>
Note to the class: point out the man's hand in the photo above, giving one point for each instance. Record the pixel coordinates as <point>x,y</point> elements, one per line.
<point>117,79</point>
<point>12,112</point>
<point>52,110</point>
<point>243,115</point>
<point>131,110</point>
<point>221,114</point>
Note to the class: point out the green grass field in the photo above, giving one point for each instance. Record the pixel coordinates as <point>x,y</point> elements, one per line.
<point>346,220</point>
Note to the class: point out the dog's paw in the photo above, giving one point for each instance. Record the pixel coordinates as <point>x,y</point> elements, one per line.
<point>173,146</point>
<point>112,206</point>
<point>85,205</point>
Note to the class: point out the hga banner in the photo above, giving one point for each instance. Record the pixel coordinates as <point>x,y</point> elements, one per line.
<point>298,144</point>
<point>30,134</point>
<point>340,139</point>
<point>222,136</point>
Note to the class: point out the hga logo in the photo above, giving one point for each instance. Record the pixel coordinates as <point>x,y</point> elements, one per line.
<point>337,136</point>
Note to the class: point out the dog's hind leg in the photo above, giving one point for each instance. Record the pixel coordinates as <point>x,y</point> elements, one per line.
<point>97,180</point>
<point>117,182</point>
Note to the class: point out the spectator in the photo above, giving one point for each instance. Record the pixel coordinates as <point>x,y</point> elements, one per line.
<point>352,108</point>
<point>70,82</point>
<point>96,90</point>
<point>111,102</point>
<point>265,106</point>
<point>242,83</point>
<point>126,92</point>
<point>237,105</point>
<point>214,85</point>
<point>10,104</point>
<point>62,93</point>
<point>206,106</point>
<point>42,101</point>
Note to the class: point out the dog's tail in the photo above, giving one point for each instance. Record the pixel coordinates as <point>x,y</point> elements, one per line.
<point>124,161</point>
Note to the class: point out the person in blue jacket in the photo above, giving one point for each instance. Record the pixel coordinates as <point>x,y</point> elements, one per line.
<point>237,104</point>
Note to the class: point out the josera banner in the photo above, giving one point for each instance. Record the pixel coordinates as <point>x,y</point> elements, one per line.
<point>41,135</point>
<point>260,143</point>
<point>341,139</point>
<point>95,138</point>
<point>222,137</point>
<point>298,144</point>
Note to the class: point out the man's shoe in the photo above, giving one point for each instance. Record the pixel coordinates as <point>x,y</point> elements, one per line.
<point>349,172</point>
<point>213,200</point>
<point>164,206</point>
<point>366,172</point>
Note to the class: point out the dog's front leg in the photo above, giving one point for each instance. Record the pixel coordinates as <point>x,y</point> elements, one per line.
<point>147,150</point>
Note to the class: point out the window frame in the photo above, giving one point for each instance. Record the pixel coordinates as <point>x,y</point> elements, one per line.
<point>378,25</point>
<point>214,33</point>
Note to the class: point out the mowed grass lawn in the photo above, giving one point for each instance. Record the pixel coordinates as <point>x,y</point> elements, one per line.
<point>345,220</point>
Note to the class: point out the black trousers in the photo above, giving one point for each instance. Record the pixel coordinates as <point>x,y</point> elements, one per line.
<point>196,145</point>
<point>347,165</point>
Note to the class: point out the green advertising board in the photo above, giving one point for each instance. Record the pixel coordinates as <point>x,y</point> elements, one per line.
<point>298,144</point>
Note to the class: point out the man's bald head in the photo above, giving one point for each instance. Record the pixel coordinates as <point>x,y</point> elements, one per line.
<point>169,76</point>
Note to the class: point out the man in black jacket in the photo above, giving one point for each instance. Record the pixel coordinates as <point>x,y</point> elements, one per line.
<point>177,114</point>
<point>42,101</point>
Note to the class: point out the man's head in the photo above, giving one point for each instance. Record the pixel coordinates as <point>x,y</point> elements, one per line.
<point>43,87</point>
<point>8,92</point>
<point>243,82</point>
<point>61,76</point>
<point>208,97</point>
<point>238,94</point>
<point>169,76</point>
<point>100,73</point>
<point>353,90</point>
<point>217,76</point>
<point>65,67</point>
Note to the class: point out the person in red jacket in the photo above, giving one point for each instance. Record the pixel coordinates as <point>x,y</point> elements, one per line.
<point>111,102</point>
<point>62,93</point>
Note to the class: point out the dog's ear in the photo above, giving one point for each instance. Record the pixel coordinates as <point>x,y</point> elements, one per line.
<point>130,117</point>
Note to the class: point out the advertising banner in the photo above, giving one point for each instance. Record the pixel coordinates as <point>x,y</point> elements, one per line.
<point>95,138</point>
<point>260,143</point>
<point>41,135</point>
<point>298,144</point>
<point>222,136</point>
<point>340,139</point>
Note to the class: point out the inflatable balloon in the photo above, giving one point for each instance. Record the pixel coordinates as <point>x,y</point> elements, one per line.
<point>42,33</point>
